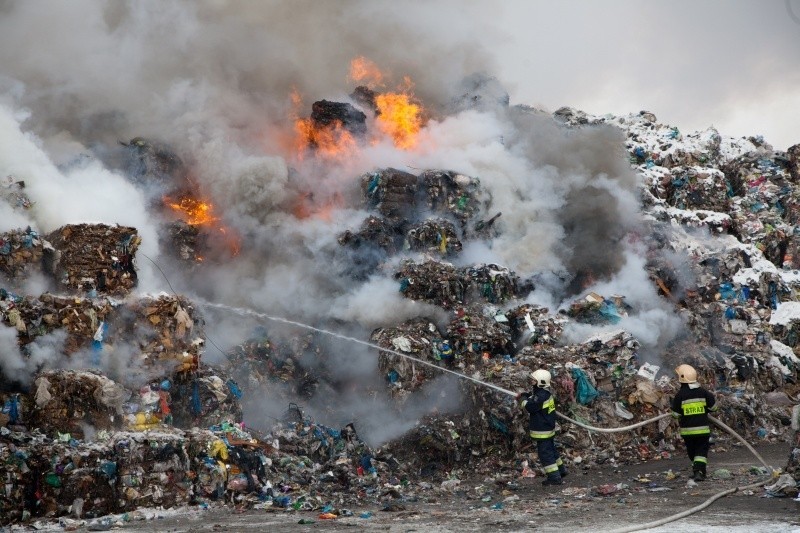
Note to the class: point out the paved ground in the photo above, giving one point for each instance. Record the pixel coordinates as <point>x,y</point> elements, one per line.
<point>569,508</point>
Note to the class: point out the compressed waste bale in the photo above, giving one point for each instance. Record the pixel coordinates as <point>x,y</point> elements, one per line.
<point>433,235</point>
<point>326,114</point>
<point>374,231</point>
<point>534,325</point>
<point>418,337</point>
<point>12,192</point>
<point>167,330</point>
<point>187,241</point>
<point>69,401</point>
<point>443,284</point>
<point>297,367</point>
<point>95,257</point>
<point>365,97</point>
<point>434,282</point>
<point>696,188</point>
<point>150,162</point>
<point>493,283</point>
<point>21,253</point>
<point>120,471</point>
<point>475,334</point>
<point>481,92</point>
<point>205,397</point>
<point>83,320</point>
<point>392,192</point>
<point>450,193</point>
<point>793,155</point>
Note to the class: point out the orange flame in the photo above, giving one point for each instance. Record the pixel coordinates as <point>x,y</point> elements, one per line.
<point>201,213</point>
<point>194,212</point>
<point>331,141</point>
<point>399,118</point>
<point>398,115</point>
<point>362,70</point>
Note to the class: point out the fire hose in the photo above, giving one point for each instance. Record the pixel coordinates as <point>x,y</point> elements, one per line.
<point>638,527</point>
<point>666,520</point>
<point>709,501</point>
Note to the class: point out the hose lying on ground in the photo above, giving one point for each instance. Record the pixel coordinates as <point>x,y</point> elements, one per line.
<point>684,514</point>
<point>741,439</point>
<point>659,417</point>
<point>703,505</point>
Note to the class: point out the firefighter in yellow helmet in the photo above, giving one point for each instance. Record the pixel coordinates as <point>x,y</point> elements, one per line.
<point>541,407</point>
<point>691,406</point>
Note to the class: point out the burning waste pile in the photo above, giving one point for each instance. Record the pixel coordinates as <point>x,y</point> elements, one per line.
<point>607,250</point>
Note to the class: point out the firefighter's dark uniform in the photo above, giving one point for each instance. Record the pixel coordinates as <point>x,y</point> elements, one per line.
<point>541,406</point>
<point>691,406</point>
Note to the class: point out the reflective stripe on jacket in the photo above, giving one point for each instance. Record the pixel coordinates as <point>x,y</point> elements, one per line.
<point>691,406</point>
<point>541,407</point>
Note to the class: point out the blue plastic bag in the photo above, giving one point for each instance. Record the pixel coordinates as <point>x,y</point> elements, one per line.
<point>585,393</point>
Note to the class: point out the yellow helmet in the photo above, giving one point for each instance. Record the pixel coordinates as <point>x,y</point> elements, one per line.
<point>686,374</point>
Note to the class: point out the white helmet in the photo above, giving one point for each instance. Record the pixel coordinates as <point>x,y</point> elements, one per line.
<point>542,378</point>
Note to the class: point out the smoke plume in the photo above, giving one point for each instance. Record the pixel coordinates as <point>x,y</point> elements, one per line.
<point>212,80</point>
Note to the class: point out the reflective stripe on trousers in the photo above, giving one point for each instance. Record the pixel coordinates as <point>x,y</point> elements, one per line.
<point>699,430</point>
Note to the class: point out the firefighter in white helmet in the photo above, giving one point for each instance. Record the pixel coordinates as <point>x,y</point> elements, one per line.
<point>541,407</point>
<point>691,406</point>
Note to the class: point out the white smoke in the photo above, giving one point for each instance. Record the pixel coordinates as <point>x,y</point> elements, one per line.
<point>212,81</point>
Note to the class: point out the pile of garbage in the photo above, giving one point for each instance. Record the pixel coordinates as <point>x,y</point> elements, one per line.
<point>404,198</point>
<point>436,236</point>
<point>170,430</point>
<point>443,284</point>
<point>165,329</point>
<point>82,320</point>
<point>95,257</point>
<point>299,465</point>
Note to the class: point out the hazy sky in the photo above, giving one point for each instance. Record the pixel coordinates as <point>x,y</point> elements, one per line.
<point>731,63</point>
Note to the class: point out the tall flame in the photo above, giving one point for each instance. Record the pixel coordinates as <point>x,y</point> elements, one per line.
<point>397,115</point>
<point>399,118</point>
